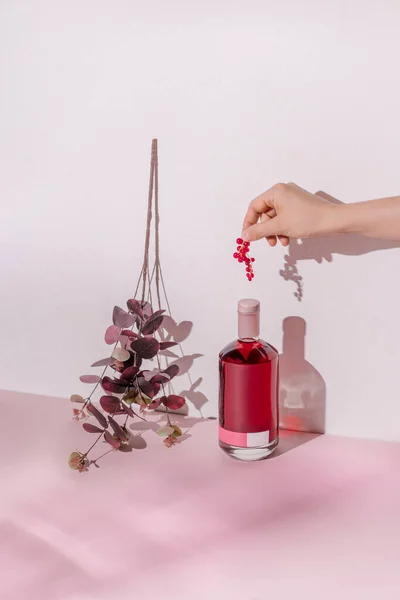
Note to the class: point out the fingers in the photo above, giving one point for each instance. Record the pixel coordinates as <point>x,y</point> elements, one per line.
<point>259,206</point>
<point>268,229</point>
<point>284,240</point>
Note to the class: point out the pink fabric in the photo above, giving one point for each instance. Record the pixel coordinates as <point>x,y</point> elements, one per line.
<point>320,519</point>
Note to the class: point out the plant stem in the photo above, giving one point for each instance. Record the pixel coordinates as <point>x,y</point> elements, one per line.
<point>93,445</point>
<point>101,455</point>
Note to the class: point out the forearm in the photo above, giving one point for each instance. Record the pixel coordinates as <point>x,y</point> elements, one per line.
<point>374,219</point>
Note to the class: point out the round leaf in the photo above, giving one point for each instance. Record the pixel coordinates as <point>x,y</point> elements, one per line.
<point>110,404</point>
<point>91,428</point>
<point>112,334</point>
<point>130,373</point>
<point>153,323</point>
<point>155,404</point>
<point>119,432</point>
<point>160,378</point>
<point>111,440</point>
<point>121,318</point>
<point>129,333</point>
<point>147,347</point>
<point>134,306</point>
<point>177,431</point>
<point>104,362</point>
<point>128,410</point>
<point>166,345</point>
<point>97,415</point>
<point>148,388</point>
<point>121,354</point>
<point>174,402</point>
<point>77,398</point>
<point>165,431</point>
<point>114,386</point>
<point>89,378</point>
<point>172,371</point>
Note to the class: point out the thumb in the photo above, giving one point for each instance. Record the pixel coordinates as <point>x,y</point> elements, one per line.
<point>262,230</point>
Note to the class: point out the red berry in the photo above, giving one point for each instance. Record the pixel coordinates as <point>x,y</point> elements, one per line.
<point>253,259</point>
<point>240,259</point>
<point>239,241</point>
<point>236,255</point>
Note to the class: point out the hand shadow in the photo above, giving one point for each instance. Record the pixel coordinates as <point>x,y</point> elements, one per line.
<point>302,391</point>
<point>324,248</point>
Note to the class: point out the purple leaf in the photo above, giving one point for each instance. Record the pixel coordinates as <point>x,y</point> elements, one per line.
<point>119,432</point>
<point>128,410</point>
<point>160,378</point>
<point>89,378</point>
<point>147,309</point>
<point>112,335</point>
<point>110,404</point>
<point>149,389</point>
<point>166,345</point>
<point>121,318</point>
<point>130,334</point>
<point>174,402</point>
<point>172,371</point>
<point>111,440</point>
<point>97,415</point>
<point>134,306</point>
<point>156,403</point>
<point>130,373</point>
<point>147,347</point>
<point>153,323</point>
<point>114,386</point>
<point>91,428</point>
<point>104,362</point>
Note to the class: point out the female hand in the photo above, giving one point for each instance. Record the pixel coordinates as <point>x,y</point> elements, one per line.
<point>287,211</point>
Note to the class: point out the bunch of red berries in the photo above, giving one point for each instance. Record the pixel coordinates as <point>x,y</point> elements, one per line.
<point>241,256</point>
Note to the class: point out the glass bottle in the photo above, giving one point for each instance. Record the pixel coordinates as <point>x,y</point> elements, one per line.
<point>248,394</point>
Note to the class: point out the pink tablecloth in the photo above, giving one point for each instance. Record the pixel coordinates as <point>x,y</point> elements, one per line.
<point>319,520</point>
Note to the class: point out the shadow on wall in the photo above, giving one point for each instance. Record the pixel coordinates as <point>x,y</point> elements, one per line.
<point>178,333</point>
<point>302,393</point>
<point>320,249</point>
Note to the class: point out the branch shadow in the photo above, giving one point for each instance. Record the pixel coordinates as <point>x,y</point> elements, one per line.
<point>178,333</point>
<point>324,249</point>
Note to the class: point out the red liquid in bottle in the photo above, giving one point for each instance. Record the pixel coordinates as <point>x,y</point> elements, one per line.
<point>248,399</point>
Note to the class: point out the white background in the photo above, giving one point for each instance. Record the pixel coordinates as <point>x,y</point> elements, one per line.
<point>241,95</point>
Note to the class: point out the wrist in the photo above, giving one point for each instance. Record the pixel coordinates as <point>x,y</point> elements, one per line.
<point>337,219</point>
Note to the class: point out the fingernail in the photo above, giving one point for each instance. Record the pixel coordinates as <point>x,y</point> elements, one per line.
<point>246,236</point>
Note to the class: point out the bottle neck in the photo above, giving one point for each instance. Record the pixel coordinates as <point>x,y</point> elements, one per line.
<point>249,326</point>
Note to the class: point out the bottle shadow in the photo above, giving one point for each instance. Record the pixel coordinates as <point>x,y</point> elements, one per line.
<point>324,249</point>
<point>302,390</point>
